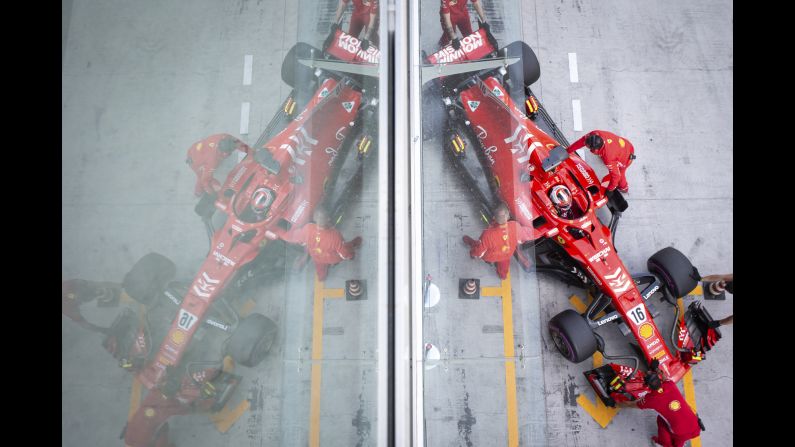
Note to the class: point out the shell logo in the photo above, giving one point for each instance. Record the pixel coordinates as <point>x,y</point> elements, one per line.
<point>178,337</point>
<point>646,331</point>
<point>149,412</point>
<point>675,405</point>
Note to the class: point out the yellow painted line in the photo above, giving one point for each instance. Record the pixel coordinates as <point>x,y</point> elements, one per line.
<point>690,390</point>
<point>247,307</point>
<point>224,419</point>
<point>333,293</point>
<point>491,291</point>
<point>135,398</point>
<point>319,294</point>
<point>577,303</point>
<point>697,291</point>
<point>510,363</point>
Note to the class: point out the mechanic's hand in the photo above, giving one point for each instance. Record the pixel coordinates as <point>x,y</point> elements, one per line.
<point>713,324</point>
<point>365,44</point>
<point>484,26</point>
<point>456,43</point>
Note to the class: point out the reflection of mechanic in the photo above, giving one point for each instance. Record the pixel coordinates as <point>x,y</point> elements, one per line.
<point>323,243</point>
<point>561,198</point>
<point>714,286</point>
<point>363,17</point>
<point>498,242</point>
<point>205,156</point>
<point>616,152</point>
<point>454,14</point>
<point>676,422</point>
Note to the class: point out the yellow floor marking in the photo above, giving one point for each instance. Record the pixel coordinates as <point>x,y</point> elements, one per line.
<point>690,390</point>
<point>224,419</point>
<point>135,398</point>
<point>247,307</point>
<point>504,292</point>
<point>319,294</point>
<point>491,291</point>
<point>124,298</point>
<point>697,291</point>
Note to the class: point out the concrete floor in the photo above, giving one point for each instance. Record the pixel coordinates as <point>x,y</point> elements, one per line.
<point>143,81</point>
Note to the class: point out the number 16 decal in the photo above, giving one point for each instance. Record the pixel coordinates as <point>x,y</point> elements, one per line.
<point>637,314</point>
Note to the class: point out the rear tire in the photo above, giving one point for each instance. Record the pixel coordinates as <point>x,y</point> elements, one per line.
<point>252,340</point>
<point>295,73</point>
<point>675,271</point>
<point>572,335</point>
<point>148,277</point>
<point>528,69</point>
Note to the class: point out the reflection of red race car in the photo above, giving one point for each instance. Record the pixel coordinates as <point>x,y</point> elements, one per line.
<point>312,154</point>
<point>506,148</point>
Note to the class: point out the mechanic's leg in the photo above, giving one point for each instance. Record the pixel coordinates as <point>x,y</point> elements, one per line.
<point>663,433</point>
<point>445,39</point>
<point>463,23</point>
<point>503,267</point>
<point>322,271</point>
<point>357,24</point>
<point>623,185</point>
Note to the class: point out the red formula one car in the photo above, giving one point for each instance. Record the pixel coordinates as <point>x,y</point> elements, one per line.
<point>506,148</point>
<point>313,153</point>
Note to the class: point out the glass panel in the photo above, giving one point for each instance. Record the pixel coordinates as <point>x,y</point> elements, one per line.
<point>483,376</point>
<point>260,319</point>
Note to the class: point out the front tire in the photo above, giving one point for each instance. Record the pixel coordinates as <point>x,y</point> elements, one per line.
<point>675,270</point>
<point>572,335</point>
<point>252,340</point>
<point>148,277</point>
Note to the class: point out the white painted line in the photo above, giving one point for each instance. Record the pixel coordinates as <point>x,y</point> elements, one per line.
<point>247,63</point>
<point>575,107</point>
<point>573,75</point>
<point>244,111</point>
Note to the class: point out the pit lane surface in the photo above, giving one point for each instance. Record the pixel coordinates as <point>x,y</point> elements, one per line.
<point>140,84</point>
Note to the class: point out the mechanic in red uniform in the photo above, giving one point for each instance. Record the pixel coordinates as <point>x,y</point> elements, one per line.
<point>323,243</point>
<point>676,422</point>
<point>363,17</point>
<point>498,242</point>
<point>454,14</point>
<point>616,152</point>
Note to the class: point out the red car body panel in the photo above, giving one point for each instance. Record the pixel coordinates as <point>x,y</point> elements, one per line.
<point>345,47</point>
<point>306,149</point>
<point>514,149</point>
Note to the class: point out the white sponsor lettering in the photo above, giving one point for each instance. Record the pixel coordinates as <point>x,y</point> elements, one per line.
<point>340,135</point>
<point>333,152</point>
<point>237,176</point>
<point>488,151</point>
<point>601,254</point>
<point>609,319</point>
<point>299,211</point>
<point>468,44</point>
<point>523,209</point>
<point>223,259</point>
<point>482,133</point>
<point>646,296</point>
<point>172,298</point>
<point>584,173</point>
<point>223,327</point>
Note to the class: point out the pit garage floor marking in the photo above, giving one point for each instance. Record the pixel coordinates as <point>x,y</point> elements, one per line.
<point>603,414</point>
<point>504,292</point>
<point>320,294</point>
